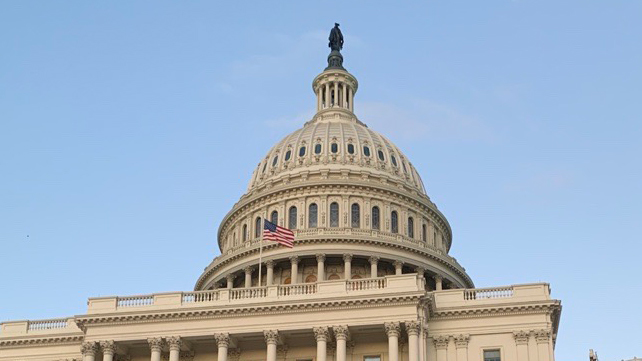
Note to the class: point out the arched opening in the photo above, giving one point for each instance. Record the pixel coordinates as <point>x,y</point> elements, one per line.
<point>334,214</point>
<point>257,227</point>
<point>423,232</point>
<point>292,218</point>
<point>274,217</point>
<point>244,236</point>
<point>311,279</point>
<point>334,276</point>
<point>394,222</point>
<point>287,281</point>
<point>375,217</point>
<point>313,211</point>
<point>356,215</point>
<point>411,227</point>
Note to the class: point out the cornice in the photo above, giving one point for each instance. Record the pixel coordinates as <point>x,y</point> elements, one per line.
<point>551,307</point>
<point>40,341</point>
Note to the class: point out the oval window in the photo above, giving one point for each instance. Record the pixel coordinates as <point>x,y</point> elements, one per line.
<point>276,158</point>
<point>334,148</point>
<point>301,151</point>
<point>351,148</point>
<point>317,149</point>
<point>380,154</point>
<point>366,151</point>
<point>288,154</point>
<point>394,160</point>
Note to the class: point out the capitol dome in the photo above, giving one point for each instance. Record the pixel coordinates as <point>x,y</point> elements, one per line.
<point>356,204</point>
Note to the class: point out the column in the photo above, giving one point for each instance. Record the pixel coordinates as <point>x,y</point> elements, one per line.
<point>398,267</point>
<point>230,281</point>
<point>461,344</point>
<point>412,327</point>
<point>294,274</point>
<point>341,334</point>
<point>393,329</point>
<point>174,348</point>
<point>441,344</point>
<point>542,337</point>
<point>327,95</point>
<point>438,283</point>
<point>336,93</point>
<point>347,266</point>
<point>319,98</point>
<point>343,100</point>
<point>374,260</point>
<point>248,276</point>
<point>88,350</point>
<point>155,345</point>
<point>521,343</point>
<point>270,272</point>
<point>351,97</point>
<point>321,335</point>
<point>108,348</point>
<point>223,343</point>
<point>271,338</point>
<point>320,267</point>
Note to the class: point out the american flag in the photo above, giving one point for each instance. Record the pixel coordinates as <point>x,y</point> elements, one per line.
<point>272,232</point>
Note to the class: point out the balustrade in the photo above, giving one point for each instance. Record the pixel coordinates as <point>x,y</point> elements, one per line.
<point>366,284</point>
<point>135,301</point>
<point>200,296</point>
<point>47,324</point>
<point>299,289</point>
<point>488,293</point>
<point>246,293</point>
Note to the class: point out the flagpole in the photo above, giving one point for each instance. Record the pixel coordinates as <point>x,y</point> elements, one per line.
<point>261,250</point>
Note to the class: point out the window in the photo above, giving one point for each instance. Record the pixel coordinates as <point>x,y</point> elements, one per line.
<point>371,358</point>
<point>334,147</point>
<point>276,158</point>
<point>301,151</point>
<point>492,355</point>
<point>394,160</point>
<point>366,151</point>
<point>334,214</point>
<point>351,148</point>
<point>274,217</point>
<point>288,154</point>
<point>356,215</point>
<point>244,237</point>
<point>264,166</point>
<point>423,232</point>
<point>312,215</point>
<point>411,227</point>
<point>404,167</point>
<point>394,222</point>
<point>375,217</point>
<point>292,218</point>
<point>380,152</point>
<point>257,227</point>
<point>317,149</point>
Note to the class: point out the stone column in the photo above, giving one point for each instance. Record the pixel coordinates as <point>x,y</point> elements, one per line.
<point>223,343</point>
<point>174,348</point>
<point>393,329</point>
<point>248,276</point>
<point>294,274</point>
<point>347,266</point>
<point>155,345</point>
<point>341,334</point>
<point>327,95</point>
<point>398,267</point>
<point>441,344</point>
<point>374,260</point>
<point>438,283</point>
<point>230,281</point>
<point>271,338</point>
<point>88,350</point>
<point>461,344</point>
<point>351,97</point>
<point>543,338</point>
<point>521,343</point>
<point>336,95</point>
<point>108,348</point>
<point>320,267</point>
<point>412,327</point>
<point>270,272</point>
<point>321,335</point>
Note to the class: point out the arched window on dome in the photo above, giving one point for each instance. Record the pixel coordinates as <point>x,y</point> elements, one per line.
<point>288,155</point>
<point>292,218</point>
<point>313,211</point>
<point>334,147</point>
<point>394,222</point>
<point>375,217</point>
<point>258,225</point>
<point>264,166</point>
<point>350,148</point>
<point>394,160</point>
<point>334,214</point>
<point>366,151</point>
<point>411,227</point>
<point>424,235</point>
<point>380,153</point>
<point>356,215</point>
<point>302,151</point>
<point>244,236</point>
<point>276,159</point>
<point>317,148</point>
<point>274,217</point>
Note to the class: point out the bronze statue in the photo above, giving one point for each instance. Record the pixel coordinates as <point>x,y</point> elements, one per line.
<point>336,38</point>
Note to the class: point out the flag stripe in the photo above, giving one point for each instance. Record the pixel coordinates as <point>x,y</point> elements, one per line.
<point>274,233</point>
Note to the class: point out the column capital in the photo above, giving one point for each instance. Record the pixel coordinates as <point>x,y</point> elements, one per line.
<point>222,339</point>
<point>248,269</point>
<point>413,328</point>
<point>320,333</point>
<point>438,278</point>
<point>542,336</point>
<point>174,342</point>
<point>320,257</point>
<point>89,348</point>
<point>271,336</point>
<point>341,332</point>
<point>347,257</point>
<point>420,270</point>
<point>155,344</point>
<point>230,277</point>
<point>392,328</point>
<point>373,259</point>
<point>108,347</point>
<point>521,337</point>
<point>294,259</point>
<point>397,263</point>
<point>269,263</point>
<point>441,342</point>
<point>461,341</point>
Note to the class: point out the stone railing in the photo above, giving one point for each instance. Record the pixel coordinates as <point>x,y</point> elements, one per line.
<point>39,327</point>
<point>485,293</point>
<point>495,295</point>
<point>48,324</point>
<point>304,291</point>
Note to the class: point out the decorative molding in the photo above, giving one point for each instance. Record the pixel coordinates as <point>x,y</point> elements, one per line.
<point>393,329</point>
<point>321,333</point>
<point>271,336</point>
<point>341,332</point>
<point>222,339</point>
<point>41,341</point>
<point>521,337</point>
<point>413,328</point>
<point>89,348</point>
<point>108,347</point>
<point>542,336</point>
<point>461,341</point>
<point>441,342</point>
<point>155,344</point>
<point>174,343</point>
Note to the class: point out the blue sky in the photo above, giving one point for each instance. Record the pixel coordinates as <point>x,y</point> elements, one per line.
<point>129,128</point>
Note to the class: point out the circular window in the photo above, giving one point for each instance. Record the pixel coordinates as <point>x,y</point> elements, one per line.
<point>366,151</point>
<point>380,154</point>
<point>301,151</point>
<point>288,154</point>
<point>351,148</point>
<point>317,149</point>
<point>334,148</point>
